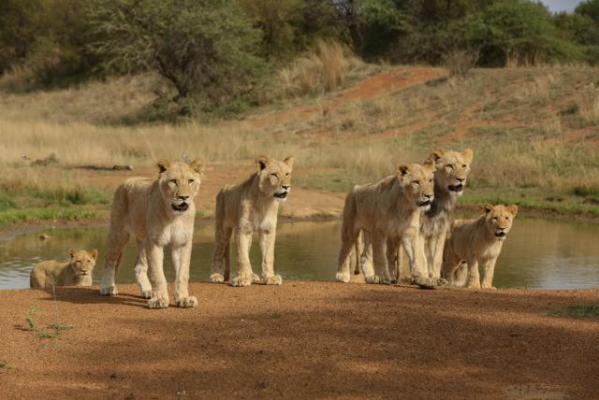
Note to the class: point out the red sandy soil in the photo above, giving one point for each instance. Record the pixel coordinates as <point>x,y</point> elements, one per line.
<point>302,340</point>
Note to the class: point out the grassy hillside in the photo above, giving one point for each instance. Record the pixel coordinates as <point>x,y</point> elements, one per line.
<point>535,132</point>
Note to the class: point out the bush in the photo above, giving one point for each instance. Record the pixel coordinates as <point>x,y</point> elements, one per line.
<point>205,49</point>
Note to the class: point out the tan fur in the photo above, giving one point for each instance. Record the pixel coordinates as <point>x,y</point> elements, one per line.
<point>75,272</point>
<point>451,172</point>
<point>389,213</point>
<point>247,208</point>
<point>477,243</point>
<point>156,212</point>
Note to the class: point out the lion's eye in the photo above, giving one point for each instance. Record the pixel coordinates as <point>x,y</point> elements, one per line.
<point>416,182</point>
<point>287,174</point>
<point>430,180</point>
<point>494,219</point>
<point>275,175</point>
<point>450,167</point>
<point>464,166</point>
<point>173,181</point>
<point>190,181</point>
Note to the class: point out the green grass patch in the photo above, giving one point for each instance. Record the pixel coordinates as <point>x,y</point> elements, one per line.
<point>31,215</point>
<point>577,311</point>
<point>53,331</point>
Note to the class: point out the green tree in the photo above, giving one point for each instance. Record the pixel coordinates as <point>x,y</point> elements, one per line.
<point>520,31</point>
<point>205,48</point>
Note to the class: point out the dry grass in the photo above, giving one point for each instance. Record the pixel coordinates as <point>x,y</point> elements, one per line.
<point>512,118</point>
<point>588,105</point>
<point>324,69</point>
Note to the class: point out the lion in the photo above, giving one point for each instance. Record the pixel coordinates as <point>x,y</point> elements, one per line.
<point>389,213</point>
<point>75,272</point>
<point>156,212</point>
<point>247,208</point>
<point>477,243</point>
<point>451,173</point>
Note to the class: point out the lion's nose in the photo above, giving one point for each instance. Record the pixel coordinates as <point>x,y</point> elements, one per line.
<point>428,196</point>
<point>461,180</point>
<point>183,197</point>
<point>286,187</point>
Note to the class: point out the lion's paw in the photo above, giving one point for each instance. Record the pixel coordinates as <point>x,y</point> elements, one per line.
<point>187,302</point>
<point>217,278</point>
<point>109,291</point>
<point>273,280</point>
<point>378,280</point>
<point>424,283</point>
<point>242,280</point>
<point>342,277</point>
<point>256,278</point>
<point>442,282</point>
<point>146,294</point>
<point>158,302</point>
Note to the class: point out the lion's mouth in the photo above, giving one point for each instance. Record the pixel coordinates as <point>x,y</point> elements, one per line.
<point>180,207</point>
<point>282,195</point>
<point>501,235</point>
<point>456,188</point>
<point>424,203</point>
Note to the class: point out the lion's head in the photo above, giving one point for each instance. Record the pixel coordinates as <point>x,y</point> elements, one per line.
<point>275,177</point>
<point>179,183</point>
<point>417,183</point>
<point>83,262</point>
<point>499,219</point>
<point>452,169</point>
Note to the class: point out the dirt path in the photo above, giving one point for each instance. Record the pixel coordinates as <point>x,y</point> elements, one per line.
<point>302,340</point>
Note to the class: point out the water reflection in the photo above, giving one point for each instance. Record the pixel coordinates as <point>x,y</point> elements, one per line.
<point>538,254</point>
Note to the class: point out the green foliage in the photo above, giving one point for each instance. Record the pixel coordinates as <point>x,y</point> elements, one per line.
<point>521,32</point>
<point>205,49</point>
<point>53,331</point>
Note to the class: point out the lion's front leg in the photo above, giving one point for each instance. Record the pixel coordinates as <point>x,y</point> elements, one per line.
<point>141,272</point>
<point>155,256</point>
<point>488,270</point>
<point>181,259</point>
<point>245,276</point>
<point>473,281</point>
<point>267,246</point>
<point>379,253</point>
<point>413,244</point>
<point>435,261</point>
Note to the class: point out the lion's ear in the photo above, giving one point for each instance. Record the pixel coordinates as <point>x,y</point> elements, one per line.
<point>197,166</point>
<point>163,165</point>
<point>513,209</point>
<point>402,169</point>
<point>94,254</point>
<point>429,164</point>
<point>488,208</point>
<point>262,162</point>
<point>436,155</point>
<point>468,155</point>
<point>72,253</point>
<point>289,161</point>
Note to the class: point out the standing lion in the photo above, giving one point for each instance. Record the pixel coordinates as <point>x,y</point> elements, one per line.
<point>247,208</point>
<point>157,213</point>
<point>388,212</point>
<point>477,243</point>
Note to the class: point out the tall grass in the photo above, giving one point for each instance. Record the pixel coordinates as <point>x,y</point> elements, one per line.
<point>323,69</point>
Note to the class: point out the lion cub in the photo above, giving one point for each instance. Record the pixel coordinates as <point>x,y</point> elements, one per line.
<point>247,208</point>
<point>477,243</point>
<point>75,272</point>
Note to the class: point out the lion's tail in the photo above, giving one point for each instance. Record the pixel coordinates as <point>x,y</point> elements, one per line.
<point>221,234</point>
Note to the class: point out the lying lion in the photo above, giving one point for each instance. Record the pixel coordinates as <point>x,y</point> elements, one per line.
<point>477,243</point>
<point>75,272</point>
